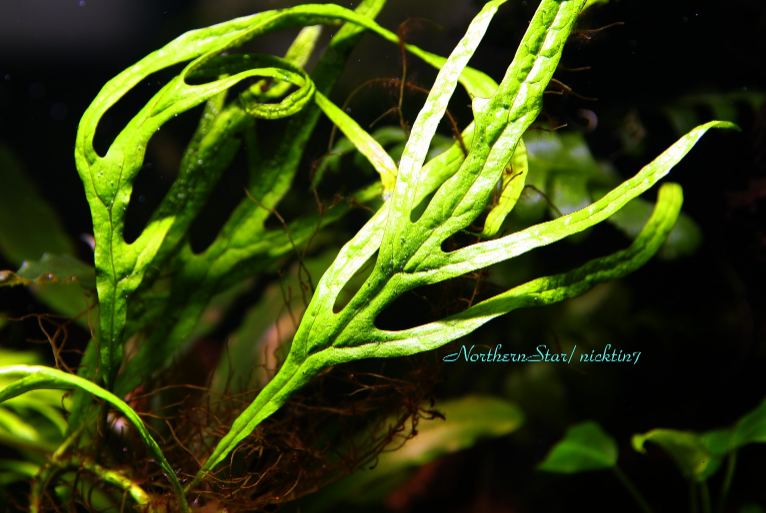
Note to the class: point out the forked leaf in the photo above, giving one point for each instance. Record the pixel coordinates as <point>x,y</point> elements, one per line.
<point>410,252</point>
<point>36,377</point>
<point>199,277</point>
<point>292,375</point>
<point>584,447</point>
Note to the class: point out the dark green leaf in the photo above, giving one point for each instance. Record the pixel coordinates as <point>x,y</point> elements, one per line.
<point>687,449</point>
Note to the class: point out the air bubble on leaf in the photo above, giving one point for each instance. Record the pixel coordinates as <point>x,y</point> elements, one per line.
<point>181,194</point>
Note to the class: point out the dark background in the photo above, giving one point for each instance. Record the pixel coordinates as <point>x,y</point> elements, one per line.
<point>698,321</point>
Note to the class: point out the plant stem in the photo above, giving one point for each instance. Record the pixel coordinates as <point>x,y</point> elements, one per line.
<point>632,490</point>
<point>693,502</point>
<point>706,504</point>
<point>731,464</point>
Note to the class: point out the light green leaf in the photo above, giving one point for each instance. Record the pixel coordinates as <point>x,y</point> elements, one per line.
<point>36,377</point>
<point>198,277</point>
<point>584,447</point>
<point>410,252</point>
<point>293,375</point>
<point>363,142</point>
<point>591,3</point>
<point>298,54</point>
<point>513,182</point>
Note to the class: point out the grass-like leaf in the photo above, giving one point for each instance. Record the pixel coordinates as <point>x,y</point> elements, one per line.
<point>38,377</point>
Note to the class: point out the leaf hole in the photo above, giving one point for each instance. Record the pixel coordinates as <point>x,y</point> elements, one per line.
<point>357,284</point>
<point>158,172</point>
<point>221,203</point>
<point>117,117</point>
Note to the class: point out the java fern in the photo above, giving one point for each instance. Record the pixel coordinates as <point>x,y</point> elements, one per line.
<point>409,251</point>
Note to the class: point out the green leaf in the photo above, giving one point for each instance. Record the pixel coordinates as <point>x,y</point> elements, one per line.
<point>591,3</point>
<point>25,469</point>
<point>36,377</point>
<point>29,227</point>
<point>51,269</point>
<point>363,142</point>
<point>751,508</point>
<point>683,112</point>
<point>24,421</point>
<point>292,376</point>
<point>469,419</point>
<point>687,449</point>
<point>198,277</point>
<point>584,447</point>
<point>513,182</point>
<point>683,240</point>
<point>298,54</point>
<point>751,428</point>
<point>410,252</point>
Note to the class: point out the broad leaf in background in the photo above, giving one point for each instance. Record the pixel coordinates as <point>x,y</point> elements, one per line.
<point>684,239</point>
<point>468,420</point>
<point>51,268</point>
<point>562,167</point>
<point>699,455</point>
<point>687,449</point>
<point>684,112</point>
<point>584,447</point>
<point>29,228</point>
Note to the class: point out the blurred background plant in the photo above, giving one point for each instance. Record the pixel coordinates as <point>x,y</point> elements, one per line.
<point>696,317</point>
